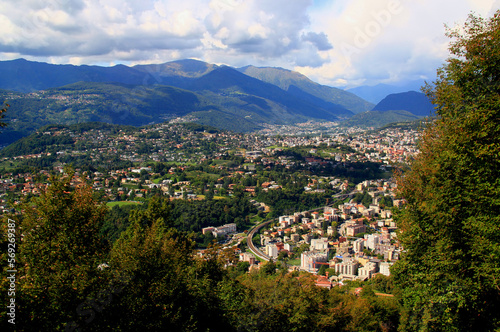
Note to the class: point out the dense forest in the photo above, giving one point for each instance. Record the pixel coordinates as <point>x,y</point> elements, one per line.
<point>450,227</point>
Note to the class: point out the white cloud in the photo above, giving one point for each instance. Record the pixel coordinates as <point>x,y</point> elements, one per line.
<point>387,40</point>
<point>344,42</point>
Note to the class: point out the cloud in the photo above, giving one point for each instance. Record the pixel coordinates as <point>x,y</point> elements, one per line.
<point>387,40</point>
<point>320,40</point>
<point>353,42</point>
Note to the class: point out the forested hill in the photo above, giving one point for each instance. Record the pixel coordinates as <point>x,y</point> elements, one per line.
<point>414,102</point>
<point>398,107</point>
<point>221,96</point>
<point>103,102</point>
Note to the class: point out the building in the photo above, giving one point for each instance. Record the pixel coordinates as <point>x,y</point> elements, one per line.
<point>221,230</point>
<point>352,227</point>
<point>272,250</point>
<point>359,245</point>
<point>367,271</point>
<point>289,247</point>
<point>385,268</point>
<point>323,281</point>
<point>247,257</point>
<point>372,240</point>
<point>319,244</point>
<point>349,267</point>
<point>310,261</point>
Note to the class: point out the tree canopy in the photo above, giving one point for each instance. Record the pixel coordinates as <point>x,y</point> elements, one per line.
<point>2,114</point>
<point>59,251</point>
<point>450,226</point>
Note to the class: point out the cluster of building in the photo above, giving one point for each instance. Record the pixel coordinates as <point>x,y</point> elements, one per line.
<point>352,240</point>
<point>220,230</point>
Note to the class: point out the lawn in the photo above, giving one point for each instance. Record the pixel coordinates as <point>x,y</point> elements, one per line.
<point>121,203</point>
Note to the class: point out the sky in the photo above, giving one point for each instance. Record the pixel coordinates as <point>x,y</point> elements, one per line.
<point>342,43</point>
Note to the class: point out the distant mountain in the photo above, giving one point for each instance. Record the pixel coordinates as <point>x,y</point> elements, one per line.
<point>220,96</point>
<point>379,119</point>
<point>376,93</point>
<point>397,107</point>
<point>302,87</point>
<point>89,101</point>
<point>414,102</point>
<point>187,68</point>
<point>28,76</point>
<point>234,101</point>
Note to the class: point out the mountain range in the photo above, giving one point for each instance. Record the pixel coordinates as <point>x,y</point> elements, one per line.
<point>374,94</point>
<point>396,107</point>
<point>240,99</point>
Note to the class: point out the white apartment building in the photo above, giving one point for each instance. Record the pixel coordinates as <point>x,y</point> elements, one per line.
<point>359,245</point>
<point>385,268</point>
<point>309,260</point>
<point>348,267</point>
<point>319,244</point>
<point>372,240</point>
<point>272,250</point>
<point>367,271</point>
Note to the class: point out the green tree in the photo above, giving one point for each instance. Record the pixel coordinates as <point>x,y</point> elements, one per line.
<point>2,114</point>
<point>58,254</point>
<point>450,227</point>
<point>169,288</point>
<point>268,268</point>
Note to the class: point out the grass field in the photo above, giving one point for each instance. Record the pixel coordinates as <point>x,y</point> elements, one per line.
<point>121,203</point>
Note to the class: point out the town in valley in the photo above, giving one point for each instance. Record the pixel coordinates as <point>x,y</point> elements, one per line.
<point>345,233</point>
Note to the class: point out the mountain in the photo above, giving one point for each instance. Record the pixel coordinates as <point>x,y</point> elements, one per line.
<point>302,87</point>
<point>233,101</point>
<point>89,101</point>
<point>397,107</point>
<point>187,68</point>
<point>220,96</point>
<point>29,76</point>
<point>414,102</point>
<point>376,93</point>
<point>379,119</point>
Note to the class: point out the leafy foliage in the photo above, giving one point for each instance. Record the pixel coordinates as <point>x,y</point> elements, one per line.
<point>450,227</point>
<point>59,250</point>
<point>2,115</point>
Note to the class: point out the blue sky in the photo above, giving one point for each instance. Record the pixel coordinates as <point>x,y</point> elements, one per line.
<point>338,43</point>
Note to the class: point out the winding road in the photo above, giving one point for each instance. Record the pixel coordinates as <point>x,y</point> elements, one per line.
<point>259,254</point>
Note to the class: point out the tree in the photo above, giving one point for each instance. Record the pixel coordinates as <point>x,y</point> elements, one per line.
<point>2,115</point>
<point>450,226</point>
<point>59,251</point>
<point>168,288</point>
<point>268,268</point>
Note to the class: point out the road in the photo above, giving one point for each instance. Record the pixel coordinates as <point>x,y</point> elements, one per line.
<point>259,254</point>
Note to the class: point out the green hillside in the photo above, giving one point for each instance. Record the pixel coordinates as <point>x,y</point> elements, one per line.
<point>379,119</point>
<point>299,85</point>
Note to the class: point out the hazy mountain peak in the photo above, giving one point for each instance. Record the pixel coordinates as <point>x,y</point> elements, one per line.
<point>189,68</point>
<point>280,77</point>
<point>301,85</point>
<point>414,102</point>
